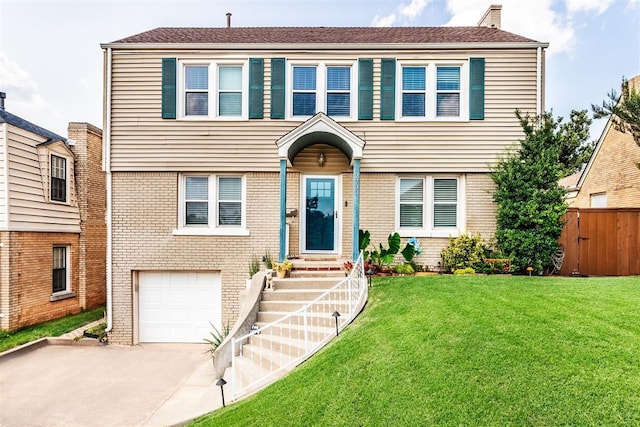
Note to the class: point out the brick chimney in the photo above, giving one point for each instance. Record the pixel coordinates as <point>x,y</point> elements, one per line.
<point>491,17</point>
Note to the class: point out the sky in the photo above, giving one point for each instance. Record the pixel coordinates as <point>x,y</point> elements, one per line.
<point>51,63</point>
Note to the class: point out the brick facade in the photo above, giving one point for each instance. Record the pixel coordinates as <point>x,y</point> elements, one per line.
<point>145,214</point>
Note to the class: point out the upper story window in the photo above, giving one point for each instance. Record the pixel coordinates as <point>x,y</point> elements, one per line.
<point>432,91</point>
<point>58,179</point>
<point>212,204</point>
<point>322,87</point>
<point>225,98</point>
<point>429,206</point>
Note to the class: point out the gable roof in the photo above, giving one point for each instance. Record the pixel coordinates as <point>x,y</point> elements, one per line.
<point>12,119</point>
<point>324,35</point>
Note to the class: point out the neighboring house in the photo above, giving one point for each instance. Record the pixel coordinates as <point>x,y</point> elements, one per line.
<point>223,143</point>
<point>52,221</point>
<point>611,179</point>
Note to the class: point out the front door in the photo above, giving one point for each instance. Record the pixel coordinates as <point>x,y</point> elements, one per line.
<point>320,207</point>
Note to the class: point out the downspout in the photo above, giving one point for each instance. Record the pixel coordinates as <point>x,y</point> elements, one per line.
<point>107,168</point>
<point>539,81</point>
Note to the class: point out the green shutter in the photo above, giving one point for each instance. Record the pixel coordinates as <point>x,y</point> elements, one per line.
<point>256,88</point>
<point>277,88</point>
<point>168,88</point>
<point>476,89</point>
<point>388,89</point>
<point>365,89</point>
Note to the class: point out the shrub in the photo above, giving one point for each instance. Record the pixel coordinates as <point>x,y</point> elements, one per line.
<point>467,270</point>
<point>403,269</point>
<point>464,251</point>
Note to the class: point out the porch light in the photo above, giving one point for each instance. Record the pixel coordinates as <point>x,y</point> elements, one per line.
<point>321,159</point>
<point>220,383</point>
<point>336,315</point>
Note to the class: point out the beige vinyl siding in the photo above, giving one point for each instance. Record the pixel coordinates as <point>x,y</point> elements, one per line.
<point>142,141</point>
<point>3,176</point>
<point>29,208</point>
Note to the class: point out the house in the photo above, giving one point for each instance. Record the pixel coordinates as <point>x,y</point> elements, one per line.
<point>223,143</point>
<point>611,179</point>
<point>52,224</point>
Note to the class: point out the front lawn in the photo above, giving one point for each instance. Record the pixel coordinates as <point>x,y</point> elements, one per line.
<point>53,328</point>
<point>477,350</point>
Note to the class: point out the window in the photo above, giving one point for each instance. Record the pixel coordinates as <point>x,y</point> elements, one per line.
<point>217,89</point>
<point>58,179</point>
<point>196,83</point>
<point>413,91</point>
<point>212,204</point>
<point>322,87</point>
<point>60,281</point>
<point>432,91</point>
<point>429,206</point>
<point>304,91</point>
<point>448,92</point>
<point>598,200</point>
<point>230,91</point>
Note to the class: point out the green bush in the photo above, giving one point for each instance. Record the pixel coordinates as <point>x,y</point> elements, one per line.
<point>403,269</point>
<point>467,270</point>
<point>464,251</point>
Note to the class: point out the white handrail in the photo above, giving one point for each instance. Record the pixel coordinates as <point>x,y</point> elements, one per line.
<point>298,335</point>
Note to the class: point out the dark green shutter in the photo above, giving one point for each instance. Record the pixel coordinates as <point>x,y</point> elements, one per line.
<point>277,88</point>
<point>476,89</point>
<point>168,88</point>
<point>256,88</point>
<point>388,89</point>
<point>365,89</point>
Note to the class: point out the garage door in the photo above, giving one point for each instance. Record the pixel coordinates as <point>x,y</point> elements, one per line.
<point>177,306</point>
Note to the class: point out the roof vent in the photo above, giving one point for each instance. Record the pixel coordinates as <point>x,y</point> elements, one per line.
<point>2,97</point>
<point>228,19</point>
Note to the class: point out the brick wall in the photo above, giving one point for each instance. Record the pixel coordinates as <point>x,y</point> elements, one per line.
<point>5,294</point>
<point>614,171</point>
<point>145,211</point>
<point>31,277</point>
<point>91,194</point>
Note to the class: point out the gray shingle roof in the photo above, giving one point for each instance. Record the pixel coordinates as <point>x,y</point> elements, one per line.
<point>7,117</point>
<point>325,35</point>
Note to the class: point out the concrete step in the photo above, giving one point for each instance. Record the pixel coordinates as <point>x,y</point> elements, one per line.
<point>324,306</point>
<point>300,273</point>
<point>307,282</point>
<point>322,319</point>
<point>270,360</point>
<point>292,294</point>
<point>296,331</point>
<point>283,344</point>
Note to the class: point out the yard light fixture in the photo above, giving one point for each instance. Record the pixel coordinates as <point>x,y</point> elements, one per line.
<point>369,274</point>
<point>336,315</point>
<point>321,159</point>
<point>220,383</point>
<point>529,269</point>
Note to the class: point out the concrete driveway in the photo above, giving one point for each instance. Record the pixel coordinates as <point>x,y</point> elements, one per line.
<point>104,385</point>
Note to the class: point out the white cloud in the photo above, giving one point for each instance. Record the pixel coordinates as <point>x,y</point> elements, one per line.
<point>408,12</point>
<point>533,19</point>
<point>414,8</point>
<point>574,6</point>
<point>383,21</point>
<point>22,90</point>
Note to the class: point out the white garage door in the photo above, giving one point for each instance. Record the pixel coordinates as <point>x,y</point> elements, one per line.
<point>177,306</point>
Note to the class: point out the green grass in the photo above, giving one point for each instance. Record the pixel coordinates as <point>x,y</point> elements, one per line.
<point>478,350</point>
<point>53,328</point>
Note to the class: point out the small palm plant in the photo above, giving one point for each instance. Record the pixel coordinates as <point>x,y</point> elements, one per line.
<point>215,339</point>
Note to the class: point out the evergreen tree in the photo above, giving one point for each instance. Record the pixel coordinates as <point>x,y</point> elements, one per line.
<point>624,110</point>
<point>530,201</point>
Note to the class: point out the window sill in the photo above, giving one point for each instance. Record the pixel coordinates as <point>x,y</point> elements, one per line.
<point>211,232</point>
<point>57,296</point>
<point>453,232</point>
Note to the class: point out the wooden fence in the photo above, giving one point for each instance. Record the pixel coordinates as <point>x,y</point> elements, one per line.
<point>601,242</point>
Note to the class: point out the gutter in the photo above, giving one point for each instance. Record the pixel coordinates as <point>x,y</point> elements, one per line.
<point>107,168</point>
<point>324,46</point>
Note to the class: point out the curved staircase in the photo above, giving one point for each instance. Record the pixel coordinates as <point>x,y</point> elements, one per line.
<point>295,319</point>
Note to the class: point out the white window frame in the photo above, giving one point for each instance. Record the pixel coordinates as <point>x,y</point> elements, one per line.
<point>67,164</point>
<point>321,88</point>
<point>427,229</point>
<point>66,292</point>
<point>212,228</point>
<point>214,89</point>
<point>431,90</point>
